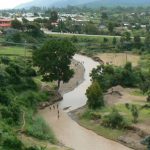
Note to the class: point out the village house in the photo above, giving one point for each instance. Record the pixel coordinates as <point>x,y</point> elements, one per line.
<point>5,23</point>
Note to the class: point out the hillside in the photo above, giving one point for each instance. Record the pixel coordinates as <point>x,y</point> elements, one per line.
<point>89,3</point>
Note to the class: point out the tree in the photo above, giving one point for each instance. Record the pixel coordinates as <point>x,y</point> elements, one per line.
<point>104,16</point>
<point>114,41</point>
<point>110,27</point>
<point>12,143</point>
<point>134,111</point>
<point>34,29</point>
<point>90,28</point>
<point>16,24</point>
<point>126,36</point>
<point>105,40</point>
<point>147,41</point>
<point>54,16</point>
<point>54,60</point>
<point>137,41</point>
<point>128,76</point>
<point>24,20</point>
<point>16,38</point>
<point>95,96</point>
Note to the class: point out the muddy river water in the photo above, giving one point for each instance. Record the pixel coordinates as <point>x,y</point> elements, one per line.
<point>67,131</point>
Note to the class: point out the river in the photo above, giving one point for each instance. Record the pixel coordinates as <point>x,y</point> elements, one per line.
<point>67,130</point>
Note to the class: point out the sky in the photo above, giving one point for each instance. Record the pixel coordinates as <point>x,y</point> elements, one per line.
<point>4,4</point>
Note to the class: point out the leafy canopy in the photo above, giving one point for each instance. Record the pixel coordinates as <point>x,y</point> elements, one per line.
<point>54,59</point>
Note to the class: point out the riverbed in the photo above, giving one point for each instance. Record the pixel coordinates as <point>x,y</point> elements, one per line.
<point>67,131</point>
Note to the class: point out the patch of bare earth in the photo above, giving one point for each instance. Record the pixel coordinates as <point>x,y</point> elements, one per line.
<point>118,59</point>
<point>118,94</point>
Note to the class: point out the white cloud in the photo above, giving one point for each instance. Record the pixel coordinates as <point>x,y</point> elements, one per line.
<point>4,4</point>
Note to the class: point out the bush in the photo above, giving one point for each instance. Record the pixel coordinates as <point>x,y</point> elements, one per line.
<point>114,120</point>
<point>11,114</point>
<point>95,115</point>
<point>37,128</point>
<point>5,97</point>
<point>92,115</point>
<point>95,96</point>
<point>31,99</point>
<point>12,143</point>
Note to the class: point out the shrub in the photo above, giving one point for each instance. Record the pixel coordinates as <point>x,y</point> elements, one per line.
<point>37,128</point>
<point>31,99</point>
<point>95,115</point>
<point>92,115</point>
<point>114,120</point>
<point>95,96</point>
<point>11,114</point>
<point>12,143</point>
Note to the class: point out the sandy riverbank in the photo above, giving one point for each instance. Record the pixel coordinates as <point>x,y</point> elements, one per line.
<point>76,80</point>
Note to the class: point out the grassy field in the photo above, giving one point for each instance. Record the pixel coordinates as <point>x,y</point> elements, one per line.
<point>13,51</point>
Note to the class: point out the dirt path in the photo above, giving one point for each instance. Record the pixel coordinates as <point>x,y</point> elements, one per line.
<point>73,135</point>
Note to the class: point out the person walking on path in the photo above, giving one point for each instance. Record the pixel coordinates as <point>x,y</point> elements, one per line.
<point>58,114</point>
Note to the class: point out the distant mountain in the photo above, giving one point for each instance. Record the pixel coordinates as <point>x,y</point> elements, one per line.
<point>98,3</point>
<point>88,3</point>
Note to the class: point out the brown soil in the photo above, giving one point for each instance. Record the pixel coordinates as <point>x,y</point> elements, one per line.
<point>76,80</point>
<point>118,59</point>
<point>119,94</point>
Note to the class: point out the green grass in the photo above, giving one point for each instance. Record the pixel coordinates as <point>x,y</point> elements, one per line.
<point>138,92</point>
<point>13,51</point>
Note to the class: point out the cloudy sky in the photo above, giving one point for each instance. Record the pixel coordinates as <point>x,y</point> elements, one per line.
<point>4,4</point>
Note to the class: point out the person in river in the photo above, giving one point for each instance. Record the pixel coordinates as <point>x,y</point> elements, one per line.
<point>50,107</point>
<point>54,106</point>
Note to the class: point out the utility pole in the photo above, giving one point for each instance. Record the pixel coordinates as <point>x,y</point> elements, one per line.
<point>25,53</point>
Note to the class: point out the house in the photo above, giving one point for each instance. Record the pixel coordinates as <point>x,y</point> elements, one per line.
<point>5,23</point>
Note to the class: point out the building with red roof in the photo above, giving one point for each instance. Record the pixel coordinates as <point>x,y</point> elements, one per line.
<point>5,23</point>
